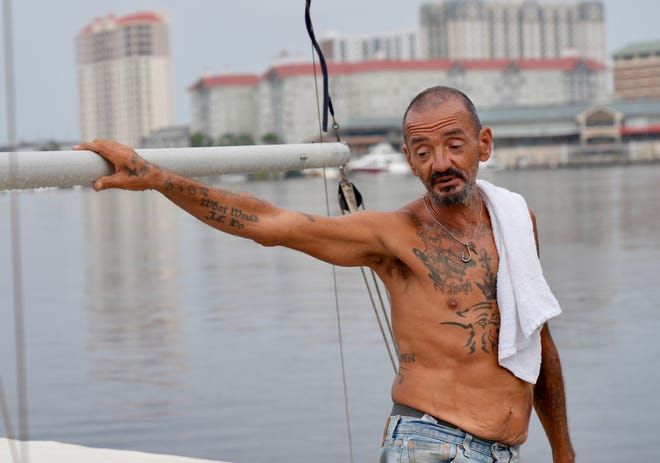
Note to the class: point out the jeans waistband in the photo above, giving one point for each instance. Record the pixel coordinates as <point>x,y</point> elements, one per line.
<point>403,410</point>
<point>406,431</point>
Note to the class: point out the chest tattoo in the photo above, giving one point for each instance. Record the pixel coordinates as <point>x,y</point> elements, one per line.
<point>469,282</point>
<point>481,323</point>
<point>444,264</point>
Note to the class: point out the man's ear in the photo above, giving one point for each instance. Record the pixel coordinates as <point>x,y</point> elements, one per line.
<point>485,144</point>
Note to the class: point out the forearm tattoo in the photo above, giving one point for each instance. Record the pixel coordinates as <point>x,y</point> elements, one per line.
<point>215,211</point>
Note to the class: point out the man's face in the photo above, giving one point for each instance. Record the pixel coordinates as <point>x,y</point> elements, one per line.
<point>443,149</point>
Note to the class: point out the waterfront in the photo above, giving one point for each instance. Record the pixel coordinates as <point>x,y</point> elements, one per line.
<point>148,331</point>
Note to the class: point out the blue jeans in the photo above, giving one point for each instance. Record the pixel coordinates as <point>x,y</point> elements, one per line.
<point>414,440</point>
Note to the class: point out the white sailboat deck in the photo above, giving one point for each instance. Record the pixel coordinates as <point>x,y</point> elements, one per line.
<point>55,452</point>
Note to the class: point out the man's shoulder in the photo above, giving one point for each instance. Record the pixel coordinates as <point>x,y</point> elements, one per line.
<point>410,212</point>
<point>389,218</point>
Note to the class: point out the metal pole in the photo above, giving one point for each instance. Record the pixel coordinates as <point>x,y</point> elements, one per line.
<point>14,217</point>
<point>40,169</point>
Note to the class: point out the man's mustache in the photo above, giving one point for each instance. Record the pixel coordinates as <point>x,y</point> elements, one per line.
<point>451,172</point>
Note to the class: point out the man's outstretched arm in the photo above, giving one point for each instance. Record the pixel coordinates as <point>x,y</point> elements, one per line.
<point>550,401</point>
<point>348,240</point>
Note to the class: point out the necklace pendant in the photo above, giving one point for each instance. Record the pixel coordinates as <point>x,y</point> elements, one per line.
<point>467,258</point>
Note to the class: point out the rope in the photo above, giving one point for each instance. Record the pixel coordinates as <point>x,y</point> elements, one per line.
<point>388,324</point>
<point>327,102</point>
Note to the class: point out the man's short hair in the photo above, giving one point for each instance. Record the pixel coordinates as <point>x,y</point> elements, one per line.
<point>435,96</point>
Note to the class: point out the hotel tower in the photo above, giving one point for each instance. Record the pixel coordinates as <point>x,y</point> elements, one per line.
<point>124,77</point>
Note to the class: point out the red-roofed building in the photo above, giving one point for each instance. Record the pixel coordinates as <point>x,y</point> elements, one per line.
<point>124,76</point>
<point>283,99</point>
<point>224,105</point>
<point>143,17</point>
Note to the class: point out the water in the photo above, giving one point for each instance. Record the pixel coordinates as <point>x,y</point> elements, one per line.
<point>147,330</point>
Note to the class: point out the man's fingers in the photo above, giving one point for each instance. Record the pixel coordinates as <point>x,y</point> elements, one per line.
<point>82,147</point>
<point>103,183</point>
<point>106,148</point>
<point>88,145</point>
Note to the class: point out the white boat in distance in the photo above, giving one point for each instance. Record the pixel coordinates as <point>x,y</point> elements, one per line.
<point>491,165</point>
<point>381,158</point>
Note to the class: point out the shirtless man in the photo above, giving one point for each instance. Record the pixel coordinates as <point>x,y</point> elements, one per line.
<point>438,260</point>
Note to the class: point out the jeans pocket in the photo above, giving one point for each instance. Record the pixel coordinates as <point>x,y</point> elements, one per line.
<point>427,452</point>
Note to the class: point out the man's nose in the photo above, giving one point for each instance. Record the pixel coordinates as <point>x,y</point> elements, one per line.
<point>441,160</point>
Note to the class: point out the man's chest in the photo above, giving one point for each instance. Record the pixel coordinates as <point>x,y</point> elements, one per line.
<point>455,269</point>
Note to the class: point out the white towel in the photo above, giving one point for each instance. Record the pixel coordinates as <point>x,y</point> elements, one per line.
<point>523,295</point>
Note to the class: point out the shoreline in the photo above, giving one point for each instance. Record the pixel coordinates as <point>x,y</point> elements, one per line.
<point>555,156</point>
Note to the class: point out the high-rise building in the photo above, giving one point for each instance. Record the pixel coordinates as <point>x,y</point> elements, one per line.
<point>396,46</point>
<point>124,77</point>
<point>480,29</point>
<point>637,71</point>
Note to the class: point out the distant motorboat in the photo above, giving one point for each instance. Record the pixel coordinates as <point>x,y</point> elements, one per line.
<point>381,158</point>
<point>491,165</point>
<point>330,173</point>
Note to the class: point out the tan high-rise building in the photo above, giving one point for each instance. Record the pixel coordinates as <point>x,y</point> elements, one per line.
<point>637,71</point>
<point>124,77</point>
<point>512,29</point>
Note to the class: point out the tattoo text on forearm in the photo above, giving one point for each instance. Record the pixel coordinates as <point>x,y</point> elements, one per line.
<point>231,216</point>
<point>227,215</point>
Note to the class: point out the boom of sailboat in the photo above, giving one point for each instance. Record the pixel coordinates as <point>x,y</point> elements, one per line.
<point>42,169</point>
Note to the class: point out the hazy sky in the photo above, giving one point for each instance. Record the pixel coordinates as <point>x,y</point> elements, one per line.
<point>211,36</point>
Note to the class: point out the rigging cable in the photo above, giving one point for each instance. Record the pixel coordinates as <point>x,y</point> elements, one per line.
<point>323,127</point>
<point>349,203</point>
<point>19,327</point>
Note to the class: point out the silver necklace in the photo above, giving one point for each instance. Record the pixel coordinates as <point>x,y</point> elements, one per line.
<point>469,246</point>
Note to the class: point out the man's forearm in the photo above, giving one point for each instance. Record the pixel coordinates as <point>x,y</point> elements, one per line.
<point>241,214</point>
<point>228,211</point>
<point>235,213</point>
